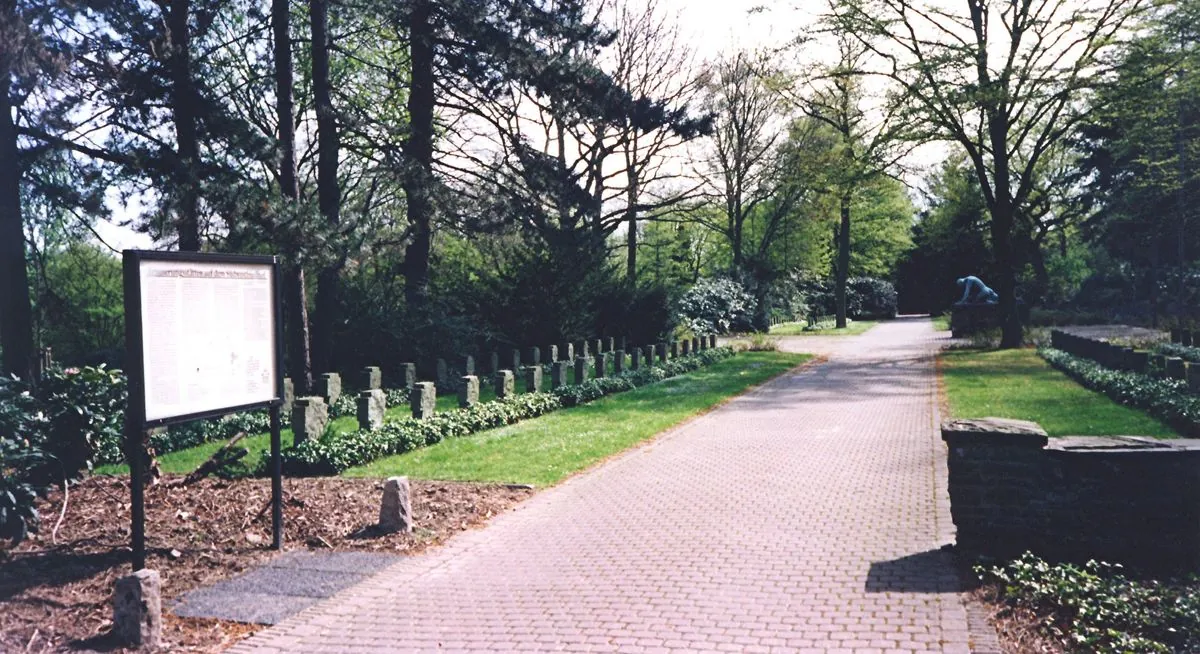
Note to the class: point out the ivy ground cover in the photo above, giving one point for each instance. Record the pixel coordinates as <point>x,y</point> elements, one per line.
<point>1019,384</point>
<point>548,449</point>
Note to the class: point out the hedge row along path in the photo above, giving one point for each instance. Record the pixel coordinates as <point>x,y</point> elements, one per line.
<point>806,515</point>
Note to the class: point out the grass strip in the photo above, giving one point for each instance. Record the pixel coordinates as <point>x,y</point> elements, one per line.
<point>852,328</point>
<point>1019,384</point>
<point>545,450</point>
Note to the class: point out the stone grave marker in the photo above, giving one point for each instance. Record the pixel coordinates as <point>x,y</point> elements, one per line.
<point>310,417</point>
<point>371,405</point>
<point>468,393</point>
<point>423,400</point>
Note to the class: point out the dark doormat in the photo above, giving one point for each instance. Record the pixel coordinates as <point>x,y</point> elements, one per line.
<point>283,587</point>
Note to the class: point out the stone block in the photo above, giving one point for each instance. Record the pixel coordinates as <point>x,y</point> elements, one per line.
<point>685,347</point>
<point>1175,368</point>
<point>494,362</point>
<point>994,431</point>
<point>372,378</point>
<point>649,355</point>
<point>552,354</point>
<point>697,345</point>
<point>443,373</point>
<point>1158,364</point>
<point>371,405</point>
<point>423,400</point>
<point>612,345</point>
<point>582,364</point>
<point>618,362</point>
<point>408,375</point>
<point>599,347</point>
<point>468,365</point>
<point>289,396</point>
<point>515,360</point>
<point>329,386</point>
<point>567,353</point>
<point>558,374</point>
<point>468,392</point>
<point>635,359</point>
<point>661,352</point>
<point>602,365</point>
<point>1138,361</point>
<point>1187,337</point>
<point>533,379</point>
<point>674,349</point>
<point>395,510</point>
<point>1191,372</point>
<point>712,341</point>
<point>310,417</point>
<point>137,609</point>
<point>583,350</point>
<point>505,384</point>
<point>535,356</point>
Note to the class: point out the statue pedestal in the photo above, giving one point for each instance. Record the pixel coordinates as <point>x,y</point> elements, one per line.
<point>970,319</point>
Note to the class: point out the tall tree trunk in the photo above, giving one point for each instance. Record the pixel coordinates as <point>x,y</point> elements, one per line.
<point>418,183</point>
<point>1006,268</point>
<point>184,106</point>
<point>631,237</point>
<point>843,259</point>
<point>328,195</point>
<point>16,314</point>
<point>295,298</point>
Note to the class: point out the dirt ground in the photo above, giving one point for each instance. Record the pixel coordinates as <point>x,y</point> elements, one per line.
<point>56,589</point>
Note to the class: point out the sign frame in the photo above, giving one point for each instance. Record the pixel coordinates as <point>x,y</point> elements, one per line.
<point>136,424</point>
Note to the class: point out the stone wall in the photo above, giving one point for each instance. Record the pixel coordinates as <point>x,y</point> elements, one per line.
<point>1123,499</point>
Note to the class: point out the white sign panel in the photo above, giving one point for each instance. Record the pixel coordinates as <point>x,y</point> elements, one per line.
<point>208,336</point>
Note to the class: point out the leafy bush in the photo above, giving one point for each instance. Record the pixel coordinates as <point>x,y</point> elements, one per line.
<point>333,453</point>
<point>1167,399</point>
<point>716,306</point>
<point>1185,352</point>
<point>18,490</point>
<point>873,298</point>
<point>1094,608</point>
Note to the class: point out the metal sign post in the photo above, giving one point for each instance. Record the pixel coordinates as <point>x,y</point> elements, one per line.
<point>203,338</point>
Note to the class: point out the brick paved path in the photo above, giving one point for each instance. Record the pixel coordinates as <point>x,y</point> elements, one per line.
<point>805,516</point>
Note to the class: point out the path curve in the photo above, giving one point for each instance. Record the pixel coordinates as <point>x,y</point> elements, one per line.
<point>804,516</point>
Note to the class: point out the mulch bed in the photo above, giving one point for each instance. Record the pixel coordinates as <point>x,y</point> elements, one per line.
<point>1017,628</point>
<point>55,592</point>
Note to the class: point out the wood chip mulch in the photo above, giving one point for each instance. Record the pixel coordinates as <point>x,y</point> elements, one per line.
<point>56,590</point>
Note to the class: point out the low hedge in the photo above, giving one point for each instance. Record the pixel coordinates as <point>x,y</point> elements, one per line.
<point>1184,352</point>
<point>1167,399</point>
<point>333,453</point>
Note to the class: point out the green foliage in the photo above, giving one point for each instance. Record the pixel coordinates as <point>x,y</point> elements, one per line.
<point>866,297</point>
<point>52,433</point>
<point>881,231</point>
<point>716,306</point>
<point>950,240</point>
<point>78,303</point>
<point>1094,608</point>
<point>335,452</point>
<point>18,490</point>
<point>1167,399</point>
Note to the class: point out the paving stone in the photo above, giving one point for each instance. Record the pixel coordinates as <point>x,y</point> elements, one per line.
<point>806,515</point>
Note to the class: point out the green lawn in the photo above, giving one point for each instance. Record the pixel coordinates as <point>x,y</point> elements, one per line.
<point>853,328</point>
<point>548,449</point>
<point>942,323</point>
<point>1019,384</point>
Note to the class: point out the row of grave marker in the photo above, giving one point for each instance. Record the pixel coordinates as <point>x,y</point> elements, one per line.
<point>310,415</point>
<point>1119,357</point>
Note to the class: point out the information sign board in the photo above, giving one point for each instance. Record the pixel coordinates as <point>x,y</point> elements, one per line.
<point>208,336</point>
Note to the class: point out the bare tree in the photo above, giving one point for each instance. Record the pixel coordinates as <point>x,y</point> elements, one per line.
<point>1003,79</point>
